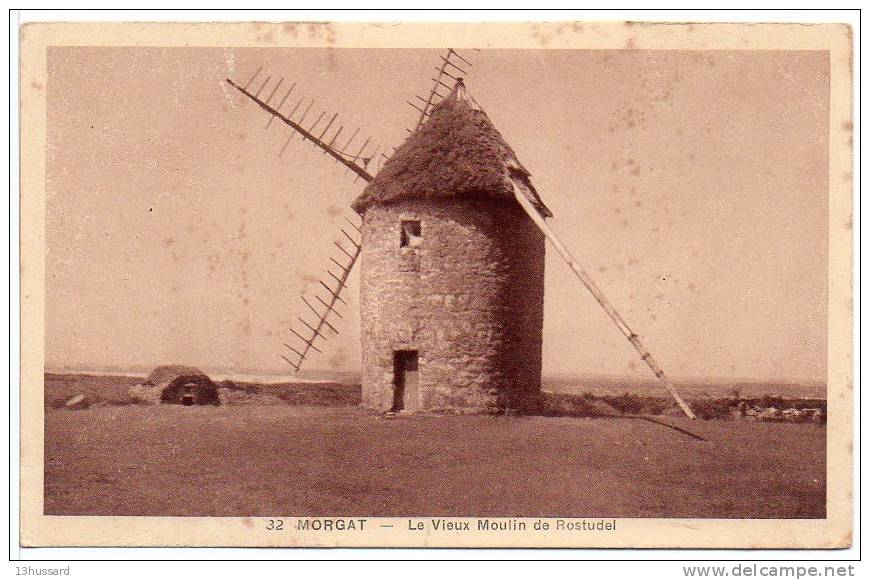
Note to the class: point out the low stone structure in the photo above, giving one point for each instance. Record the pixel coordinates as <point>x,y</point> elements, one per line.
<point>176,384</point>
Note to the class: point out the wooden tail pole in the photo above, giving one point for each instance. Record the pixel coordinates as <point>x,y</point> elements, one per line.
<point>599,296</point>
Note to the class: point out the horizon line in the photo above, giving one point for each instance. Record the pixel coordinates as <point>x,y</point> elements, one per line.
<point>134,370</point>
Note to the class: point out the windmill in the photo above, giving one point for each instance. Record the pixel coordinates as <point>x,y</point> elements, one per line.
<point>454,234</point>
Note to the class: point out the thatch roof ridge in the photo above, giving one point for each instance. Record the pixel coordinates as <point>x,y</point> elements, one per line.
<point>457,152</point>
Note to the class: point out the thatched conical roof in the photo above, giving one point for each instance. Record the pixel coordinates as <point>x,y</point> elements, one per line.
<point>457,152</point>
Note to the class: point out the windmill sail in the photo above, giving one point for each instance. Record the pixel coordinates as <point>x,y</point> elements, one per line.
<point>324,310</point>
<point>358,163</point>
<point>451,65</point>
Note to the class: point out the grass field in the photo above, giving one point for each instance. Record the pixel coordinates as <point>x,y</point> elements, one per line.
<point>254,460</point>
<point>697,389</point>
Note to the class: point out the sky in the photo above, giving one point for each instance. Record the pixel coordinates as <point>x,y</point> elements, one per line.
<point>691,185</point>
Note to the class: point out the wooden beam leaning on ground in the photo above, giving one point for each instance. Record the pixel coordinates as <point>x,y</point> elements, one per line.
<point>524,195</point>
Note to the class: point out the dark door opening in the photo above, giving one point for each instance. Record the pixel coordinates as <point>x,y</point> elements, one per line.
<point>406,390</point>
<point>188,397</point>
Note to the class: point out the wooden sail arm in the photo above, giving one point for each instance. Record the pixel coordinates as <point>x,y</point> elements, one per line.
<point>322,318</point>
<point>304,132</point>
<point>522,194</point>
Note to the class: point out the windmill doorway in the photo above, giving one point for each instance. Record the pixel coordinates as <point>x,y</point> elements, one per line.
<point>406,388</point>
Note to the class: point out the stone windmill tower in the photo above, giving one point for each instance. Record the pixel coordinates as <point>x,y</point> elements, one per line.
<point>452,280</point>
<point>452,244</point>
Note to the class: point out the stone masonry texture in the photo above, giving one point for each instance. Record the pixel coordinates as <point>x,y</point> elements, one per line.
<point>468,297</point>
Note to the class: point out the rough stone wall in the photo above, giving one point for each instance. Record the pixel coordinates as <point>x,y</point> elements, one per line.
<point>469,299</point>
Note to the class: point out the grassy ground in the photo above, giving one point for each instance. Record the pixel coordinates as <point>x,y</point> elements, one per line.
<point>694,389</point>
<point>251,460</point>
<point>115,390</point>
<point>112,390</point>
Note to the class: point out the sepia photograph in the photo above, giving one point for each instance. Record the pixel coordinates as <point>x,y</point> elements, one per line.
<point>561,284</point>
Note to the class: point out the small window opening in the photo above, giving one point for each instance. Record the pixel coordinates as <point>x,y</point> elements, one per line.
<point>411,234</point>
